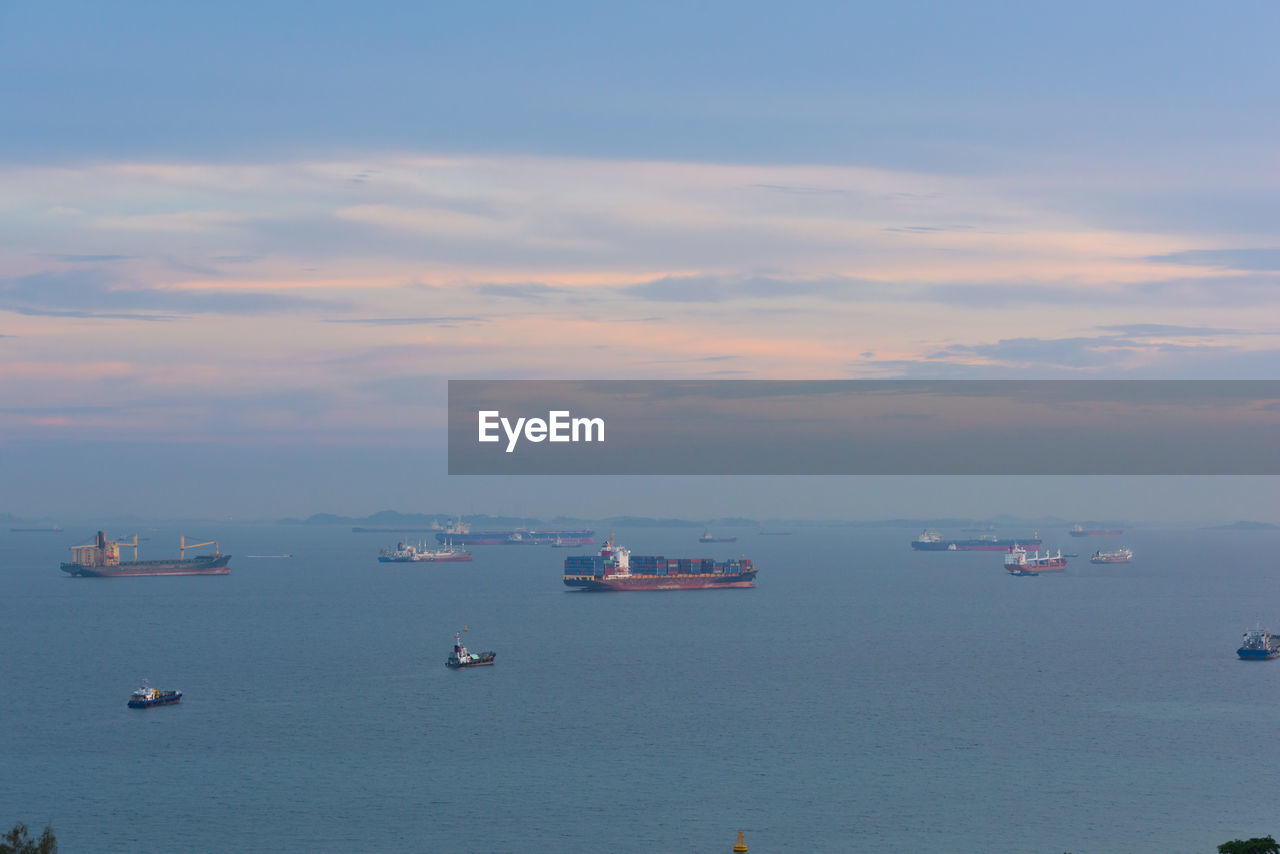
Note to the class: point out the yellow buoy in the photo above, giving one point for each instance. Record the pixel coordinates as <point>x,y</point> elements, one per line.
<point>741,844</point>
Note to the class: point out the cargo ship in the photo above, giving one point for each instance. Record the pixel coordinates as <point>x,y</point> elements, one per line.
<point>101,559</point>
<point>1018,562</point>
<point>462,658</point>
<point>932,541</point>
<point>708,538</point>
<point>145,697</point>
<point>461,532</point>
<point>1259,645</point>
<point>1082,531</point>
<point>615,569</point>
<point>406,553</point>
<point>1117,556</point>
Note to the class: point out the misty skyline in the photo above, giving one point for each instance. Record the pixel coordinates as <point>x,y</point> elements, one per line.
<point>232,252</point>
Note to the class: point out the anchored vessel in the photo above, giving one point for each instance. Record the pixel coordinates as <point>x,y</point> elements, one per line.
<point>461,532</point>
<point>707,538</point>
<point>405,553</point>
<point>1117,556</point>
<point>1019,562</point>
<point>615,569</point>
<point>147,696</point>
<point>1259,645</point>
<point>932,541</point>
<point>462,658</point>
<point>101,559</point>
<point>1082,531</point>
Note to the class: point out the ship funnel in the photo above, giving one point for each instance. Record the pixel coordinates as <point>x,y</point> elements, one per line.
<point>102,539</point>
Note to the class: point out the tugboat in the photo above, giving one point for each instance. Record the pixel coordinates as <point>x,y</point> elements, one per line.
<point>145,697</point>
<point>461,658</point>
<point>1117,556</point>
<point>1018,562</point>
<point>1259,645</point>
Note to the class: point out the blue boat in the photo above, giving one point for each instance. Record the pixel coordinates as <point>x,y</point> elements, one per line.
<point>145,697</point>
<point>1259,645</point>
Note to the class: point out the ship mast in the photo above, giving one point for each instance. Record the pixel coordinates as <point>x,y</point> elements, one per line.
<point>183,545</point>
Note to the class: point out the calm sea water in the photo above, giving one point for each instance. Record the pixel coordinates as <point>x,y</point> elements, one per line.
<point>863,697</point>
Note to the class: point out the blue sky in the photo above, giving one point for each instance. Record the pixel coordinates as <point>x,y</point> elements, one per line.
<point>246,227</point>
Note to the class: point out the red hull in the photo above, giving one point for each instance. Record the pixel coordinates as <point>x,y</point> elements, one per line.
<point>666,584</point>
<point>1030,570</point>
<point>99,572</point>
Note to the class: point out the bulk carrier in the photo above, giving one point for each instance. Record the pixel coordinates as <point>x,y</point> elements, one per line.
<point>101,559</point>
<point>1019,562</point>
<point>615,569</point>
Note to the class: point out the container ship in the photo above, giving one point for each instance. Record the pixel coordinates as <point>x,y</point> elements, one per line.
<point>932,541</point>
<point>1117,556</point>
<point>1082,531</point>
<point>1018,562</point>
<point>615,569</point>
<point>461,533</point>
<point>101,559</point>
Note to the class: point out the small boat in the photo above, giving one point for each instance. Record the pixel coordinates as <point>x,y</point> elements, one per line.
<point>146,696</point>
<point>462,658</point>
<point>1259,645</point>
<point>707,538</point>
<point>269,556</point>
<point>561,543</point>
<point>1117,556</point>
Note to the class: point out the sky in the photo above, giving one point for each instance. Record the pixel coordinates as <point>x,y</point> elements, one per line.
<point>273,233</point>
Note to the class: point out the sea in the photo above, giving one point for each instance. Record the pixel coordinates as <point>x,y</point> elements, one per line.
<point>862,697</point>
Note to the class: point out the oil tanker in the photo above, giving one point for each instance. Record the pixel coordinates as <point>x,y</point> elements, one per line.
<point>932,541</point>
<point>615,569</point>
<point>101,559</point>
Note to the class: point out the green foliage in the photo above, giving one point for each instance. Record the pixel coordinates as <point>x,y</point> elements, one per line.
<point>18,841</point>
<point>1257,845</point>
